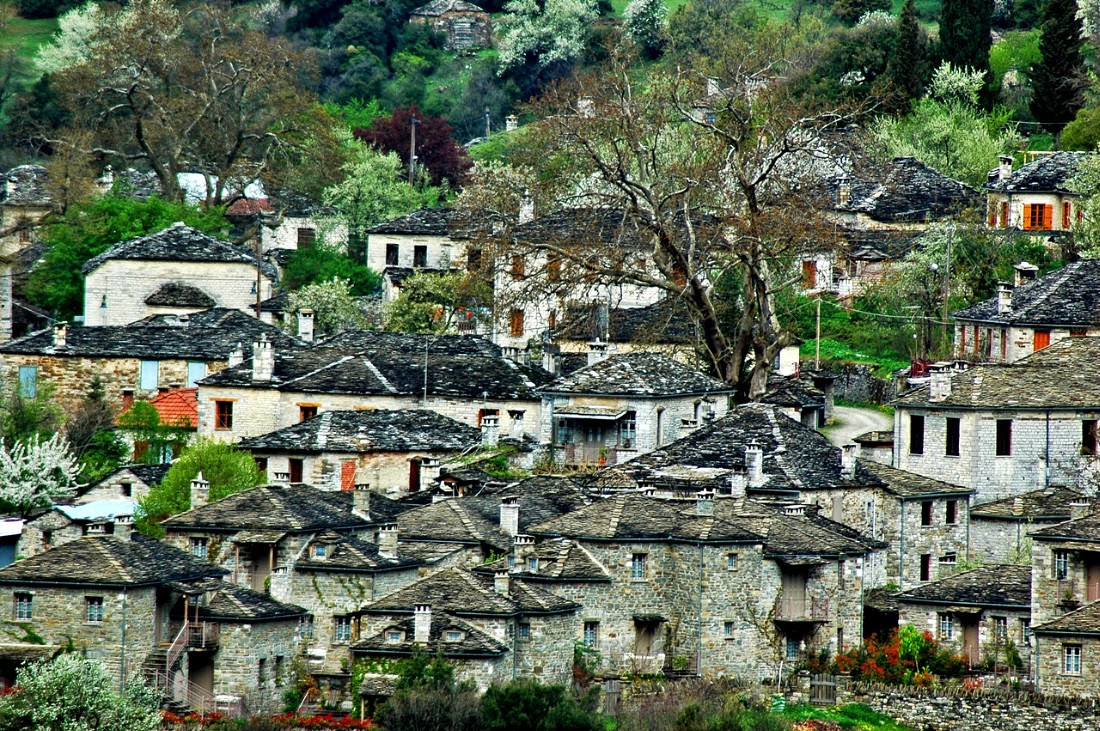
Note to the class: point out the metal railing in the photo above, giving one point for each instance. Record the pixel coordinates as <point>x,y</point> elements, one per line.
<point>177,647</point>
<point>177,689</point>
<point>204,634</point>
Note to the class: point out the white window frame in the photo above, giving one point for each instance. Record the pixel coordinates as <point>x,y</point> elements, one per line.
<point>1071,659</point>
<point>149,374</point>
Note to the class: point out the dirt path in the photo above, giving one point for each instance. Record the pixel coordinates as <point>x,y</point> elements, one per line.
<point>850,422</point>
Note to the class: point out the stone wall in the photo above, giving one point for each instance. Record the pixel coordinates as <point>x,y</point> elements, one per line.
<point>856,382</point>
<point>386,472</point>
<point>253,660</point>
<point>996,540</point>
<point>285,235</point>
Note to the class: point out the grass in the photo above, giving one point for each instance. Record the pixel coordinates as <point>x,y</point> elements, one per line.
<point>884,409</point>
<point>25,36</point>
<point>838,351</point>
<point>852,717</point>
<point>618,6</point>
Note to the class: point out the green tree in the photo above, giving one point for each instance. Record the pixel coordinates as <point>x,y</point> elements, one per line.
<point>527,705</point>
<point>1059,78</point>
<point>322,264</point>
<point>908,70</point>
<point>334,306</point>
<point>544,33</point>
<point>965,35</point>
<point>428,698</point>
<point>438,303</point>
<point>153,439</point>
<point>92,438</point>
<point>91,228</point>
<point>72,693</point>
<point>1083,133</point>
<point>23,417</point>
<point>228,470</point>
<point>1086,182</point>
<point>851,11</point>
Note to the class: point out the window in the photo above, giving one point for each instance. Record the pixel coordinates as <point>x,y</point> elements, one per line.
<point>473,260</point>
<point>24,606</point>
<point>1061,565</point>
<point>809,274</point>
<point>261,465</point>
<point>343,630</point>
<point>198,547</point>
<point>637,566</point>
<point>519,266</point>
<point>916,434</point>
<point>306,412</point>
<point>1000,629</point>
<point>93,609</point>
<point>320,550</point>
<point>1071,659</point>
<point>393,251</point>
<point>791,646</point>
<point>731,562</point>
<point>532,563</point>
<point>728,630</point>
<point>525,631</point>
<point>295,469</point>
<point>628,428</point>
<point>28,381</point>
<point>951,448</point>
<point>1040,339</point>
<point>150,375</point>
<point>553,268</point>
<point>952,512</point>
<point>305,628</point>
<point>420,256</point>
<point>394,635</point>
<point>565,431</point>
<point>196,371</point>
<point>1066,215</point>
<point>279,664</point>
<point>926,512</point>
<point>515,324</point>
<point>1004,214</point>
<point>1004,437</point>
<point>1004,343</point>
<point>223,414</point>
<point>592,635</point>
<point>453,635</point>
<point>947,564</point>
<point>1088,437</point>
<point>947,627</point>
<point>926,567</point>
<point>1038,217</point>
<point>306,237</point>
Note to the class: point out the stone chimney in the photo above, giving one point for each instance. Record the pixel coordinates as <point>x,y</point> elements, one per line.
<point>1004,167</point>
<point>502,583</point>
<point>648,491</point>
<point>360,502</point>
<point>305,325</point>
<point>551,359</point>
<point>754,464</point>
<point>843,192</point>
<point>263,360</point>
<point>848,454</point>
<point>490,430</point>
<point>511,123</point>
<point>704,502</point>
<point>1017,505</point>
<point>1079,508</point>
<point>422,623</point>
<point>1004,298</point>
<point>1024,272</point>
<point>597,351</point>
<point>738,483</point>
<point>939,381</point>
<point>509,515</point>
<point>200,492</point>
<point>788,361</point>
<point>526,208</point>
<point>236,357</point>
<point>60,331</point>
<point>387,541</point>
<point>797,509</point>
<point>522,548</point>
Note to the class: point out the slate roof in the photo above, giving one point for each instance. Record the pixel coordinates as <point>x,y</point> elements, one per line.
<point>25,185</point>
<point>993,585</point>
<point>423,221</point>
<point>228,602</point>
<point>1049,503</point>
<point>637,374</point>
<point>1058,376</point>
<point>559,560</point>
<point>906,190</point>
<point>208,335</point>
<point>1082,530</point>
<point>1083,621</point>
<point>405,430</point>
<point>180,294</point>
<point>150,474</point>
<point>796,457</point>
<point>439,7</point>
<point>392,364</point>
<point>109,561</point>
<point>636,517</point>
<point>180,243</point>
<point>799,534</point>
<point>875,438</point>
<point>346,553</point>
<point>911,485</point>
<point>465,594</point>
<point>178,407</point>
<point>793,391</point>
<point>664,322</point>
<point>1066,297</point>
<point>474,642</point>
<point>570,226</point>
<point>295,508</point>
<point>1047,174</point>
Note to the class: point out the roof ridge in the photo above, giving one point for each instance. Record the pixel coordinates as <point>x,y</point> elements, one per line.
<point>331,364</point>
<point>472,580</point>
<point>378,374</point>
<point>111,558</point>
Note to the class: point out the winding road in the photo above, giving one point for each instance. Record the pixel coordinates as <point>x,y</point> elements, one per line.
<point>852,421</point>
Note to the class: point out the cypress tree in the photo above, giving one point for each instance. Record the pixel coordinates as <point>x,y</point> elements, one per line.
<point>907,71</point>
<point>1058,79</point>
<point>965,36</point>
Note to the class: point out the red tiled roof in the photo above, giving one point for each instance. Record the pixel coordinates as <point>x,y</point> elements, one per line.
<point>177,406</point>
<point>249,207</point>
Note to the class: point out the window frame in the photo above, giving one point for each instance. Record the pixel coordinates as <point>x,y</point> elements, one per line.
<point>1003,444</point>
<point>516,325</point>
<point>93,610</point>
<point>23,609</point>
<point>732,560</point>
<point>194,365</point>
<point>951,512</point>
<point>1071,659</point>
<point>946,626</point>
<point>590,636</point>
<point>223,415</point>
<point>149,369</point>
<point>1089,441</point>
<point>916,434</point>
<point>200,547</point>
<point>927,509</point>
<point>341,629</point>
<point>28,387</point>
<point>952,446</point>
<point>639,566</point>
<point>393,255</point>
<point>420,256</point>
<point>1060,564</point>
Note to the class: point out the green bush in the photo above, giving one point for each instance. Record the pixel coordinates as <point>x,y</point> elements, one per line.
<point>527,705</point>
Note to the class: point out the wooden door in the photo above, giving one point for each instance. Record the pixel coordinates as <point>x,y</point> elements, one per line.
<point>414,475</point>
<point>794,595</point>
<point>970,638</point>
<point>1041,339</point>
<point>1093,574</point>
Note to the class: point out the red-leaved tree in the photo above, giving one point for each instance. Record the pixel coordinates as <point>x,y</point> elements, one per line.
<point>436,148</point>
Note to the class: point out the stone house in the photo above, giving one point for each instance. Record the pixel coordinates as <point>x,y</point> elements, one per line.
<point>465,378</point>
<point>624,405</point>
<point>1035,198</point>
<point>663,327</point>
<point>135,361</point>
<point>1000,530</point>
<point>1031,314</point>
<point>132,481</point>
<point>326,551</point>
<point>60,524</point>
<point>147,610</point>
<point>24,201</point>
<point>1005,429</point>
<point>466,26</point>
<point>391,451</point>
<point>175,271</point>
<point>1067,652</point>
<point>983,612</point>
<point>496,628</point>
<point>1065,562</point>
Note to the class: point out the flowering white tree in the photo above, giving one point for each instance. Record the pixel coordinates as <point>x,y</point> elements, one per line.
<point>646,23</point>
<point>73,41</point>
<point>555,31</point>
<point>36,474</point>
<point>334,306</point>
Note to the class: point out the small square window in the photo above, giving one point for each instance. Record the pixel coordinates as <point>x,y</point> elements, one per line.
<point>393,636</point>
<point>947,627</point>
<point>728,630</point>
<point>223,414</point>
<point>731,561</point>
<point>93,608</point>
<point>307,412</point>
<point>320,550</point>
<point>524,631</point>
<point>1061,565</point>
<point>393,253</point>
<point>453,636</point>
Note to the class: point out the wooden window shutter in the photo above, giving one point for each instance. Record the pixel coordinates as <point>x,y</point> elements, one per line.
<point>1027,216</point>
<point>1004,214</point>
<point>1041,339</point>
<point>1065,216</point>
<point>1048,217</point>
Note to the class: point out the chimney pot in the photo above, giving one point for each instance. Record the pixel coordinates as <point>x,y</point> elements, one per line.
<point>236,356</point>
<point>502,583</point>
<point>939,381</point>
<point>511,123</point>
<point>200,491</point>
<point>387,541</point>
<point>490,430</point>
<point>1004,167</point>
<point>509,515</point>
<point>1004,298</point>
<point>60,332</point>
<point>738,483</point>
<point>422,623</point>
<point>263,360</point>
<point>360,501</point>
<point>704,502</point>
<point>1080,508</point>
<point>848,454</point>
<point>754,464</point>
<point>1017,506</point>
<point>305,325</point>
<point>597,351</point>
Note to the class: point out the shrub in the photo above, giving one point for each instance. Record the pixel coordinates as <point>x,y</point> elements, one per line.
<point>907,657</point>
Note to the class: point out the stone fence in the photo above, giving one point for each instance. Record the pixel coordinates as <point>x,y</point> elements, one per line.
<point>856,382</point>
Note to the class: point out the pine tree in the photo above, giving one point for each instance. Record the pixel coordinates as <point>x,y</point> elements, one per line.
<point>965,40</point>
<point>1058,79</point>
<point>907,71</point>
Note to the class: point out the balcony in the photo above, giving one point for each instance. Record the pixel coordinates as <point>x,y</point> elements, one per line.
<point>801,609</point>
<point>203,635</point>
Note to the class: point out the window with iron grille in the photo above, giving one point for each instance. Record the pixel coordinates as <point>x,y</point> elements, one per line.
<point>93,608</point>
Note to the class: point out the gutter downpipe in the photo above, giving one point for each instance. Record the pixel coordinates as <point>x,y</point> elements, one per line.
<point>699,634</point>
<point>122,659</point>
<point>1046,454</point>
<point>901,550</point>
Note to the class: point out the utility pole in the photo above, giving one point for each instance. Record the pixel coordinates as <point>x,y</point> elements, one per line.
<point>817,345</point>
<point>412,149</point>
<point>947,286</point>
<point>259,267</point>
<point>488,129</point>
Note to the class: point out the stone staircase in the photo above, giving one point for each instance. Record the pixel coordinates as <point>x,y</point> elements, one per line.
<point>154,670</point>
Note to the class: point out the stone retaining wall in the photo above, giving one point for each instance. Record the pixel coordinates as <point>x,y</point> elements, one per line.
<point>855,382</point>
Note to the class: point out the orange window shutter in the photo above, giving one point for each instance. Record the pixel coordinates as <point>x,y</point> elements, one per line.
<point>1048,217</point>
<point>347,474</point>
<point>1041,339</point>
<point>1065,216</point>
<point>1027,216</point>
<point>1004,214</point>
